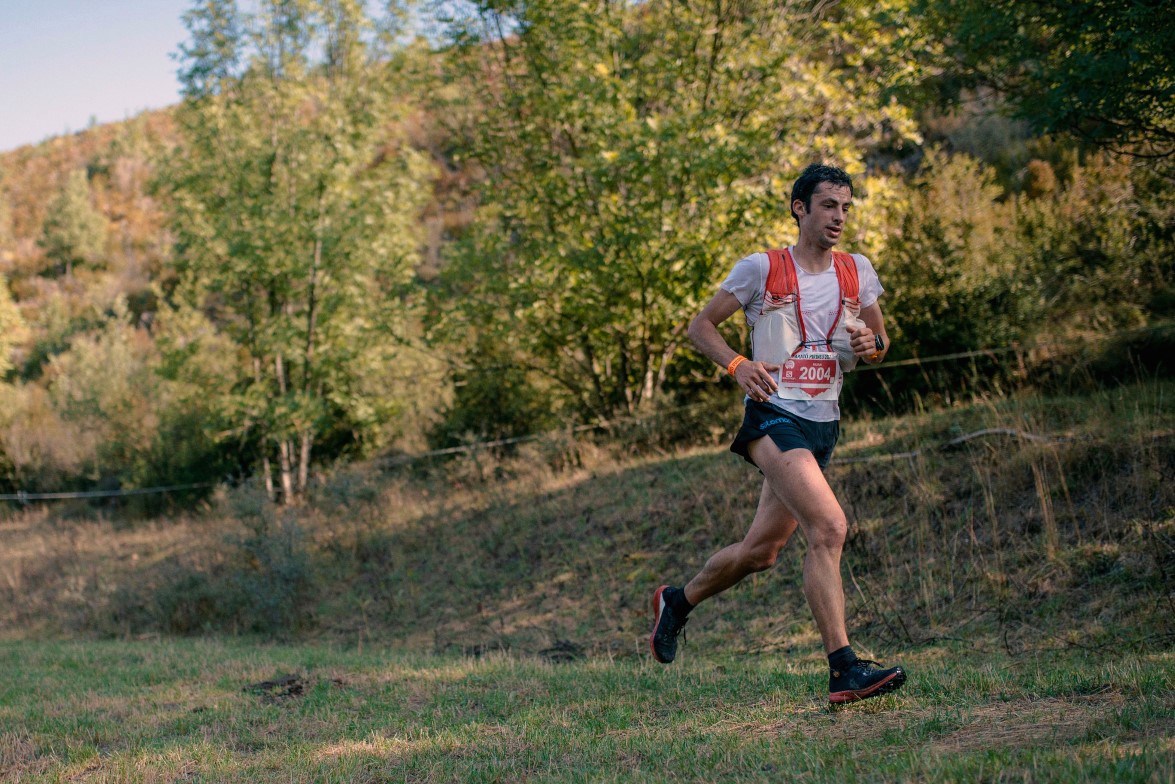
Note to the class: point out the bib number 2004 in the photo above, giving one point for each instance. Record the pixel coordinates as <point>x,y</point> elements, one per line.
<point>809,375</point>
<point>821,373</point>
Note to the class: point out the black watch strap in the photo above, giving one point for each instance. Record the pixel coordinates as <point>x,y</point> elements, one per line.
<point>879,342</point>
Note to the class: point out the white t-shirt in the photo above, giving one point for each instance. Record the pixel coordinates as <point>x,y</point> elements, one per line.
<point>819,304</point>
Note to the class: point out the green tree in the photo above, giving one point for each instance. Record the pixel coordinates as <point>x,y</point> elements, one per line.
<point>106,386</point>
<point>212,54</point>
<point>296,202</point>
<point>74,232</point>
<point>6,235</point>
<point>1098,252</point>
<point>107,411</point>
<point>947,268</point>
<point>12,327</point>
<point>631,153</point>
<point>1100,69</point>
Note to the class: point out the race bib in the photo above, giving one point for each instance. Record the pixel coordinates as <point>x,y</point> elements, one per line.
<point>810,375</point>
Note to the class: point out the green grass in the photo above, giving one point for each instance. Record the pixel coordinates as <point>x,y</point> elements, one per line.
<point>180,710</point>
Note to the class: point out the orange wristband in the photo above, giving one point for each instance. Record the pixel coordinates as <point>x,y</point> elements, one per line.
<point>734,363</point>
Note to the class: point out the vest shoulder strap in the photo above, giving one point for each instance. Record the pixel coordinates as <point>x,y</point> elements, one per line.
<point>846,275</point>
<point>782,280</point>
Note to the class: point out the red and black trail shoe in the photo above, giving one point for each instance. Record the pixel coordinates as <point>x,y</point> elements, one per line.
<point>863,679</point>
<point>667,624</point>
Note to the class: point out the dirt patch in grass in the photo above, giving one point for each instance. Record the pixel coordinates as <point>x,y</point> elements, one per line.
<point>1014,724</point>
<point>1028,723</point>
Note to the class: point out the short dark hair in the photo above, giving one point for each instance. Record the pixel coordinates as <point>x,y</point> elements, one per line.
<point>811,178</point>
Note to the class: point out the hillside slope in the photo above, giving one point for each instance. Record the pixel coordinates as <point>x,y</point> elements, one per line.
<point>1047,523</point>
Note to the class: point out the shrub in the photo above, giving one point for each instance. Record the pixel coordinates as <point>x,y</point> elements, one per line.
<point>263,583</point>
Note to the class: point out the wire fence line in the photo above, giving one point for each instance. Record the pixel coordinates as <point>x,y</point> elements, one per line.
<point>982,352</point>
<point>396,460</point>
<point>25,497</point>
<point>991,431</point>
<point>1164,326</point>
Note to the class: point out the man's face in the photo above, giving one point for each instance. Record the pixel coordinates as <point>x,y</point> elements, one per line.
<point>824,221</point>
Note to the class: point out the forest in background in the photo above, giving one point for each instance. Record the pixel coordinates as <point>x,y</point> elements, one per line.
<point>349,240</point>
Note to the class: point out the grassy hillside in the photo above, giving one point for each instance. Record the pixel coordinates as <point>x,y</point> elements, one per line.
<point>1051,524</point>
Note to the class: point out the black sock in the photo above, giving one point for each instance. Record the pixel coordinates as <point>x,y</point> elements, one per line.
<point>675,598</point>
<point>841,660</point>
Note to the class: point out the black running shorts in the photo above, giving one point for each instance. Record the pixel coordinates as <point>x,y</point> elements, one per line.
<point>788,431</point>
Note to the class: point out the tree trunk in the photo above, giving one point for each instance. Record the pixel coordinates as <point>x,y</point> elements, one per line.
<point>304,461</point>
<point>307,434</point>
<point>312,309</point>
<point>266,468</point>
<point>286,449</point>
<point>267,474</point>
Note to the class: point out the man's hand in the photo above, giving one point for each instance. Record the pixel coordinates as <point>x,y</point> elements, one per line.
<point>861,339</point>
<point>756,379</point>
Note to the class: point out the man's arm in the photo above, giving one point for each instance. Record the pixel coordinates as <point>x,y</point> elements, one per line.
<point>754,377</point>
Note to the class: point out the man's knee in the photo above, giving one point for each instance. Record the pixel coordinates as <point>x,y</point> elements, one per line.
<point>829,532</point>
<point>759,558</point>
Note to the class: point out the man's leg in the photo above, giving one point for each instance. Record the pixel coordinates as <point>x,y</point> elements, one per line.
<point>797,480</point>
<point>772,527</point>
<point>769,532</point>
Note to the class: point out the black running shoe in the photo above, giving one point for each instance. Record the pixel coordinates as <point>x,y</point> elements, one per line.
<point>862,680</point>
<point>667,624</point>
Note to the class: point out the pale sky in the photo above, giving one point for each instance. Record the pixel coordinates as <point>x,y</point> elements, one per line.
<point>66,62</point>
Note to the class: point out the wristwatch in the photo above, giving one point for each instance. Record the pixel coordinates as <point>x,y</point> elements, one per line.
<point>879,342</point>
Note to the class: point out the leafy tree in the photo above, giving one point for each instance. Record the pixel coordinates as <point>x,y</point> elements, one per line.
<point>631,153</point>
<point>6,235</point>
<point>1098,252</point>
<point>1100,69</point>
<point>12,327</point>
<point>212,55</point>
<point>38,448</point>
<point>1085,250</point>
<point>512,405</point>
<point>106,411</point>
<point>74,232</point>
<point>296,203</point>
<point>946,267</point>
<point>105,384</point>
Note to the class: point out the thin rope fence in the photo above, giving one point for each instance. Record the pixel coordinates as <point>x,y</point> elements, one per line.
<point>991,431</point>
<point>25,497</point>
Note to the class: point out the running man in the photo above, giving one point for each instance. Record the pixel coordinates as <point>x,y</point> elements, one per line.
<point>813,314</point>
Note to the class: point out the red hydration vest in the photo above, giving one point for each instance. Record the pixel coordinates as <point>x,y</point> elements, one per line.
<point>783,286</point>
<point>783,294</point>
